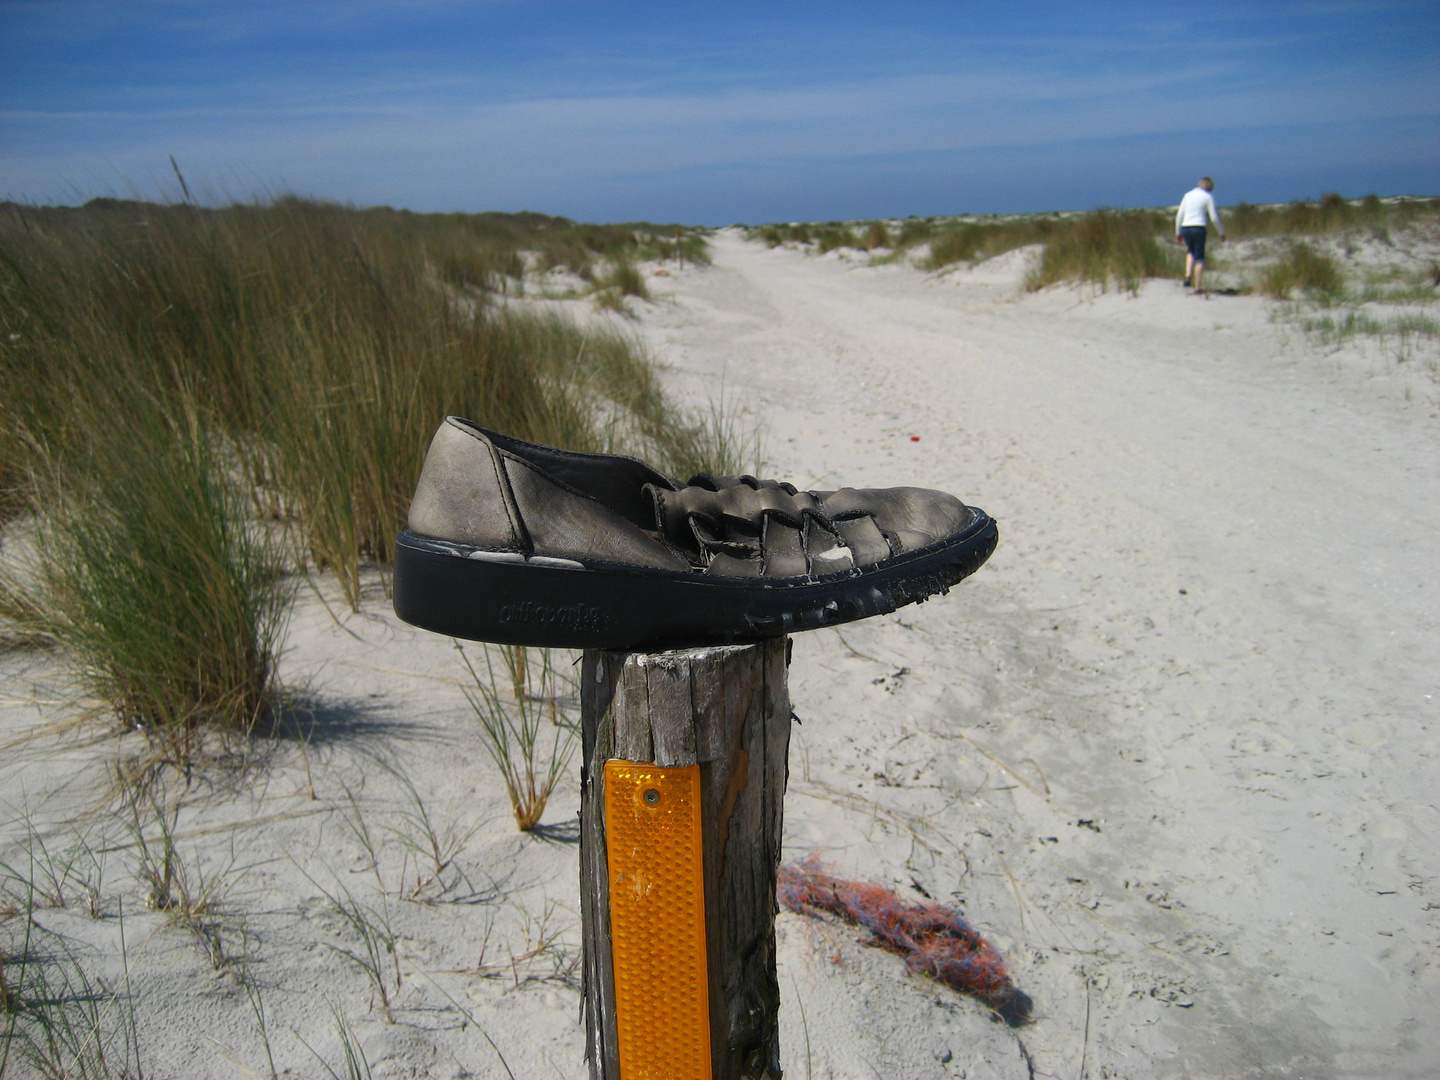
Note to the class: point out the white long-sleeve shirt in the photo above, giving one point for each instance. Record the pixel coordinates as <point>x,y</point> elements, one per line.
<point>1197,208</point>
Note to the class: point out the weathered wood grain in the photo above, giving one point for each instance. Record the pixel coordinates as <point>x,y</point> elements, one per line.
<point>726,708</point>
<point>598,675</point>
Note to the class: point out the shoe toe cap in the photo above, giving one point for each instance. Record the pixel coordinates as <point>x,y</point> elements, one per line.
<point>913,517</point>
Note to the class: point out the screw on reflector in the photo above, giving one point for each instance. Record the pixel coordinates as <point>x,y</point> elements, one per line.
<point>652,797</point>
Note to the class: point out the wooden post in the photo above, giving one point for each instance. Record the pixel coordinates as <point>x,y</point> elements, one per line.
<point>725,708</point>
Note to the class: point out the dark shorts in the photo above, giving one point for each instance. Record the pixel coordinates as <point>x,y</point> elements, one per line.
<point>1194,237</point>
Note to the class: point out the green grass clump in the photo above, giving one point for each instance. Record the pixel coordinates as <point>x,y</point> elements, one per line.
<point>775,235</point>
<point>877,236</point>
<point>565,255</point>
<point>969,241</point>
<point>642,241</point>
<point>1103,248</point>
<point>831,237</point>
<point>1403,331</point>
<point>963,244</point>
<point>1331,213</point>
<point>661,245</point>
<point>769,235</point>
<point>462,262</point>
<point>1313,273</point>
<point>466,248</point>
<point>1395,284</point>
<point>627,280</point>
<point>914,231</point>
<point>622,281</point>
<point>147,574</point>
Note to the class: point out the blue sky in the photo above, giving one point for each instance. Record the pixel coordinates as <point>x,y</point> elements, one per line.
<point>722,112</point>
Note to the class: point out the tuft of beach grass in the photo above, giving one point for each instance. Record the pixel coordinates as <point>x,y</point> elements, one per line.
<point>1104,249</point>
<point>1315,274</point>
<point>525,727</point>
<point>145,573</point>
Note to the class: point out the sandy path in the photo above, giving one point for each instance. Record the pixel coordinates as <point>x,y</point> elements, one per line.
<point>1209,632</point>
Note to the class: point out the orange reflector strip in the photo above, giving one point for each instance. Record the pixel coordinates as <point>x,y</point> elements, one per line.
<point>657,920</point>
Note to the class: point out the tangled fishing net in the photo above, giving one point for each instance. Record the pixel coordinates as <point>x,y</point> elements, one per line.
<point>931,938</point>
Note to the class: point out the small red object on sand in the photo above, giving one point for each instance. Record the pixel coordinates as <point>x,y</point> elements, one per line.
<point>914,438</point>
<point>931,938</point>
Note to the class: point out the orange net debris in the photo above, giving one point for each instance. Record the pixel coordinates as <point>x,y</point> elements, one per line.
<point>931,938</point>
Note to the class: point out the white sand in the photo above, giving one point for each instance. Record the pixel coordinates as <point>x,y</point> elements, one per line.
<point>1171,748</point>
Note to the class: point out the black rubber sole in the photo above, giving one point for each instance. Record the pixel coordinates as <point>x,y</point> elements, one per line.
<point>464,593</point>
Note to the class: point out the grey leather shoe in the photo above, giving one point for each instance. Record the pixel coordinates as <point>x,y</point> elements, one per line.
<point>524,544</point>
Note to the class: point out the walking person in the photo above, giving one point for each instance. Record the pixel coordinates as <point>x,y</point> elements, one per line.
<point>1197,210</point>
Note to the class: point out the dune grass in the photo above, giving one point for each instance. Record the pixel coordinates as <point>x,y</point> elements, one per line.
<point>969,241</point>
<point>64,1020</point>
<point>317,339</point>
<point>559,242</point>
<point>621,281</point>
<point>197,400</point>
<point>627,279</point>
<point>775,235</point>
<point>693,247</point>
<point>145,574</point>
<point>1315,274</point>
<point>832,237</point>
<point>1403,335</point>
<point>951,240</point>
<point>1104,248</point>
<point>58,1016</point>
<point>1331,213</point>
<point>915,230</point>
<point>375,952</point>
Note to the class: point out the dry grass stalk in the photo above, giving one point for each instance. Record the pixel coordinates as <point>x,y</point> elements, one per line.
<point>377,956</point>
<point>432,847</point>
<point>179,889</point>
<point>57,1019</point>
<point>529,734</point>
